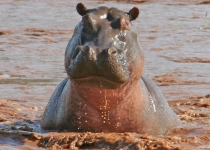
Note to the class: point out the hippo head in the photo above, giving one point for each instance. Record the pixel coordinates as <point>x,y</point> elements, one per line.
<point>104,50</point>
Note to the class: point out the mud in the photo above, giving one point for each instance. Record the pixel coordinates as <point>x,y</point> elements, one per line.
<point>33,36</point>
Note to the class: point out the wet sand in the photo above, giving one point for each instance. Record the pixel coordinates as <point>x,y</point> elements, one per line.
<point>33,38</point>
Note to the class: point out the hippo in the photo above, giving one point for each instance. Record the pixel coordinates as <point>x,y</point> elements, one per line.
<point>105,89</point>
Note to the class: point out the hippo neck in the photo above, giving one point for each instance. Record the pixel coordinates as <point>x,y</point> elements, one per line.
<point>105,99</point>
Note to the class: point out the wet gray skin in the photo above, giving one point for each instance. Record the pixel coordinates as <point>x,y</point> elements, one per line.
<point>105,90</point>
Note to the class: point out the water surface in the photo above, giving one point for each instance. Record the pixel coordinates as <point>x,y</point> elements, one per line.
<point>33,38</point>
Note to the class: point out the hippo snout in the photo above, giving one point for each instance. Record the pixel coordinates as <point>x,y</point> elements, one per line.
<point>91,53</point>
<point>86,52</point>
<point>90,61</point>
<point>112,51</point>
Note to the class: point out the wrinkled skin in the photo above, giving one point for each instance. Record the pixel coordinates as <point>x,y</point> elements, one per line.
<point>105,90</point>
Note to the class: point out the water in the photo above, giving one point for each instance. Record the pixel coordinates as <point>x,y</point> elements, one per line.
<point>33,37</point>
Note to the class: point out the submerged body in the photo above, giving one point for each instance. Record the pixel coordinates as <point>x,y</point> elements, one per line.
<point>105,90</point>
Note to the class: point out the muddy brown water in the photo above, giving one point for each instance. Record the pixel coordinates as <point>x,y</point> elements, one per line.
<point>175,36</point>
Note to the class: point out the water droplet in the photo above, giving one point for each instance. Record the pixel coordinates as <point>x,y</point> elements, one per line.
<point>117,124</point>
<point>104,121</point>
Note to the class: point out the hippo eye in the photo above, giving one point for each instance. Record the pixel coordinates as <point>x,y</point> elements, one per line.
<point>115,24</point>
<point>114,13</point>
<point>120,23</point>
<point>110,17</point>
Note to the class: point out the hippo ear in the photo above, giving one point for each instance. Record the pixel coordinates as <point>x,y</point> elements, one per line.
<point>81,9</point>
<point>133,13</point>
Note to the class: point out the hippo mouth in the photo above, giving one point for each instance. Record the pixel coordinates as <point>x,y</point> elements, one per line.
<point>99,82</point>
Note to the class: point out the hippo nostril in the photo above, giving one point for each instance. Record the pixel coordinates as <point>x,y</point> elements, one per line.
<point>87,49</point>
<point>112,51</point>
<point>89,52</point>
